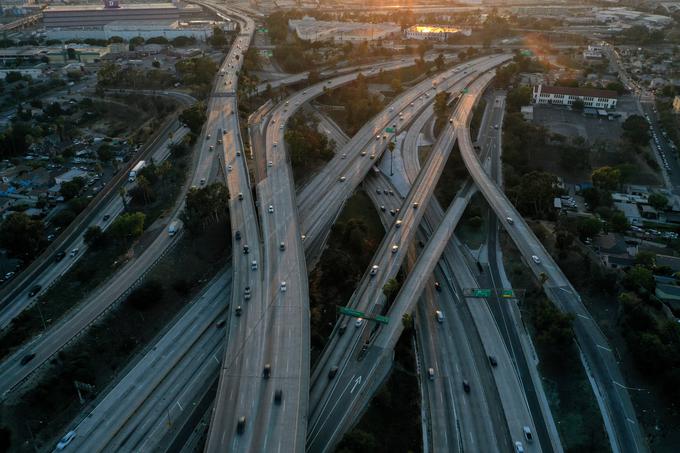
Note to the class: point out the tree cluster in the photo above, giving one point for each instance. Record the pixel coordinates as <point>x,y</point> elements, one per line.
<point>305,144</point>
<point>22,236</point>
<point>205,206</point>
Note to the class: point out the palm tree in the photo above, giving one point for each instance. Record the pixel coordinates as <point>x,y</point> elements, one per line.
<point>122,192</point>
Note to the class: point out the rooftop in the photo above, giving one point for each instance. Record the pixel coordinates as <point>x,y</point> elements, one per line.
<point>100,7</point>
<point>572,91</point>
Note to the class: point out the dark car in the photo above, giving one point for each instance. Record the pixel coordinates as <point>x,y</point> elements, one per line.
<point>241,425</point>
<point>27,358</point>
<point>237,235</point>
<point>437,286</point>
<point>35,290</point>
<point>278,396</point>
<point>59,256</point>
<point>106,217</point>
<point>221,323</point>
<point>493,361</point>
<point>332,372</point>
<point>466,386</point>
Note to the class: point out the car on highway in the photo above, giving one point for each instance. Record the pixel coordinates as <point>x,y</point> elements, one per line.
<point>221,323</point>
<point>374,269</point>
<point>437,286</point>
<point>509,220</point>
<point>519,448</point>
<point>332,372</point>
<point>270,209</point>
<point>246,249</point>
<point>270,164</point>
<point>241,425</point>
<point>211,147</point>
<point>267,372</point>
<point>344,156</point>
<point>527,434</point>
<point>67,439</point>
<point>59,256</point>
<point>278,396</point>
<point>363,153</point>
<point>415,205</point>
<point>74,252</point>
<point>395,247</point>
<point>237,235</point>
<point>246,293</point>
<point>358,322</point>
<point>382,208</point>
<point>397,224</point>
<point>238,310</point>
<point>439,316</point>
<point>430,373</point>
<point>229,168</point>
<point>27,358</point>
<point>342,179</point>
<point>536,259</point>
<point>106,217</point>
<point>253,265</point>
<point>35,290</point>
<point>466,386</point>
<point>284,287</point>
<point>392,212</point>
<point>202,181</point>
<point>282,246</point>
<point>240,196</point>
<point>492,361</point>
<point>378,191</point>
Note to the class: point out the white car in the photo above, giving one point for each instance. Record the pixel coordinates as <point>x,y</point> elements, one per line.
<point>63,443</point>
<point>229,168</point>
<point>536,259</point>
<point>270,163</point>
<point>271,209</point>
<point>283,287</point>
<point>395,248</point>
<point>359,322</point>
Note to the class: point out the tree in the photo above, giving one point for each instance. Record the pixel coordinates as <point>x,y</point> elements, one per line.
<point>128,226</point>
<point>658,201</point>
<point>94,236</point>
<point>204,206</point>
<point>71,189</point>
<point>391,289</point>
<point>21,236</point>
<point>218,38</point>
<point>618,222</point>
<point>439,62</point>
<point>553,328</point>
<point>588,227</point>
<point>105,153</point>
<point>606,178</point>
<point>156,64</point>
<point>63,218</point>
<point>639,279</point>
<point>441,101</point>
<point>194,117</point>
<point>314,76</point>
<point>145,296</point>
<point>646,259</point>
<point>578,105</point>
<point>395,85</point>
<point>636,129</point>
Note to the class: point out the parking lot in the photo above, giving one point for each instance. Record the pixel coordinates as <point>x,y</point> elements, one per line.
<point>560,120</point>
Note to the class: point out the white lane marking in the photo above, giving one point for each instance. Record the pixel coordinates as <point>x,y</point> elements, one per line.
<point>357,381</point>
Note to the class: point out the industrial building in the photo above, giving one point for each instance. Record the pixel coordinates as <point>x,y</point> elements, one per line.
<point>310,29</point>
<point>591,97</point>
<point>434,32</point>
<point>111,19</point>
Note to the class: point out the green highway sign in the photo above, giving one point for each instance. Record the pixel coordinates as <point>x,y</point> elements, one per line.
<point>390,129</point>
<point>382,319</point>
<point>508,294</point>
<point>351,312</point>
<point>481,293</point>
<point>263,30</point>
<point>464,91</point>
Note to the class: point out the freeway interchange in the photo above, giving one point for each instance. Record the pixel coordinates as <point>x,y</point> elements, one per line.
<point>483,392</point>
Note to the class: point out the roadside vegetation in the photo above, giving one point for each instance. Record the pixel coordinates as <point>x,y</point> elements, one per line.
<point>391,422</point>
<point>157,189</point>
<point>351,245</point>
<point>308,148</point>
<point>39,410</point>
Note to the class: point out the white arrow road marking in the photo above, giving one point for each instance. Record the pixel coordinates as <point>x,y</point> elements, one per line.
<point>357,381</point>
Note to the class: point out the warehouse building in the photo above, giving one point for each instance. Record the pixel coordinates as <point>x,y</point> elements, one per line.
<point>434,32</point>
<point>591,97</point>
<point>91,16</point>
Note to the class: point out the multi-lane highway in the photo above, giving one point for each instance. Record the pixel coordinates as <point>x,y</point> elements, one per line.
<point>617,410</point>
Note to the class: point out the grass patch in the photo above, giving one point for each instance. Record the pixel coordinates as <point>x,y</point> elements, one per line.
<point>477,116</point>
<point>51,402</point>
<point>473,225</point>
<point>351,245</point>
<point>392,421</point>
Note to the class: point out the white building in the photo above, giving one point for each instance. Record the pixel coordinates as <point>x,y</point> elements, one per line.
<point>593,52</point>
<point>434,32</point>
<point>70,176</point>
<point>591,97</point>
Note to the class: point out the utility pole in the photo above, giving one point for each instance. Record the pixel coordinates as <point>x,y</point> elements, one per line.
<point>390,146</point>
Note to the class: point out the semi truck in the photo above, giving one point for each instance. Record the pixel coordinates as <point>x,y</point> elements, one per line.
<point>135,170</point>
